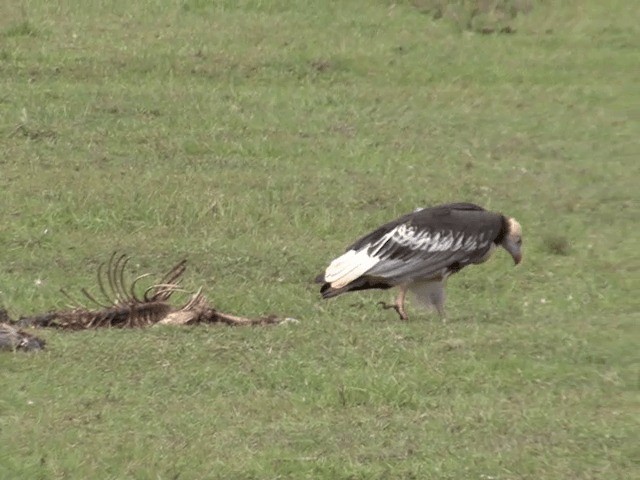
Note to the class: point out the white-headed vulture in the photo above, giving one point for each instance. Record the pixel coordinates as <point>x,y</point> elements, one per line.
<point>418,251</point>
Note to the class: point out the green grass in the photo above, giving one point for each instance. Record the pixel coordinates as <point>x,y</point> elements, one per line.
<point>258,139</point>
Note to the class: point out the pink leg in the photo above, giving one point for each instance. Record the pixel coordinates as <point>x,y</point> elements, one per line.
<point>398,306</point>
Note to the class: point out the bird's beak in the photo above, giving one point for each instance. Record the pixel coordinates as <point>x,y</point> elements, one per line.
<point>514,250</point>
<point>517,257</point>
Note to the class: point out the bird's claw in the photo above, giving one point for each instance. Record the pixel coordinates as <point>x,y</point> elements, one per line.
<point>396,307</point>
<point>387,306</point>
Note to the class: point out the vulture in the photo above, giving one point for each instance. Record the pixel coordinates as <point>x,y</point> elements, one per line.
<point>419,251</point>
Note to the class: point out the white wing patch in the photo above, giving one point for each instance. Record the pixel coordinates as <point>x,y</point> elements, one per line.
<point>348,267</point>
<point>423,240</point>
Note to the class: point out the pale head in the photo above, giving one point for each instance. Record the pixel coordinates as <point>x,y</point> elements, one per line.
<point>512,241</point>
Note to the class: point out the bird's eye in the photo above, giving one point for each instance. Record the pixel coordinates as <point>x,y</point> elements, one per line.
<point>519,241</point>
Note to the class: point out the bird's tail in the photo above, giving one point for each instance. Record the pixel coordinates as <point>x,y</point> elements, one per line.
<point>327,291</point>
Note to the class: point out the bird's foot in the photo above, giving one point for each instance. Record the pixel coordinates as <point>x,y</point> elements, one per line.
<point>398,308</point>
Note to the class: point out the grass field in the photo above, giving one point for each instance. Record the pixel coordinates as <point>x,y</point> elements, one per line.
<point>258,139</point>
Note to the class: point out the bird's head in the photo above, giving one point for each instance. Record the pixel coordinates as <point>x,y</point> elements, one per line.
<point>512,241</point>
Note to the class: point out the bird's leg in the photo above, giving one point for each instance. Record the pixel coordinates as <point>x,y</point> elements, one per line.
<point>438,298</point>
<point>398,306</point>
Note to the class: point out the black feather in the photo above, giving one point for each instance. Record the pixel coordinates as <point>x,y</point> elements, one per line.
<point>459,218</point>
<point>362,283</point>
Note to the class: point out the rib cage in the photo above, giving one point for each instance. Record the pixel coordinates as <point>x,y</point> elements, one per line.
<point>122,307</point>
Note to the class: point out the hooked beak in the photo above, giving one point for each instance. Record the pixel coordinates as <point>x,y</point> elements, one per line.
<point>517,257</point>
<point>514,250</point>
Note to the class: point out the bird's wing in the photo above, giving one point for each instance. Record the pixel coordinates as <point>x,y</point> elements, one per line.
<point>418,246</point>
<point>410,253</point>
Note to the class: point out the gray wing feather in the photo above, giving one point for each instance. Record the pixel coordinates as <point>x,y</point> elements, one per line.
<point>406,255</point>
<point>416,266</point>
